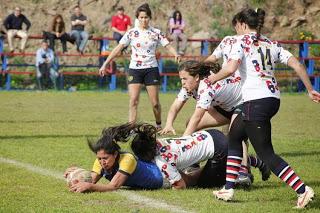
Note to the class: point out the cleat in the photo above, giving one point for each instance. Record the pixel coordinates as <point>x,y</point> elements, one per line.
<point>244,180</point>
<point>265,172</point>
<point>224,194</point>
<point>305,198</point>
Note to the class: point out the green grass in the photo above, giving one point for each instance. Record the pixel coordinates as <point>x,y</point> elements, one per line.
<point>49,130</point>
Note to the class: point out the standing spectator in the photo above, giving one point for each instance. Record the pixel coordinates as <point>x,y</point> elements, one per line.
<point>120,23</point>
<point>44,66</point>
<point>176,25</point>
<point>57,31</point>
<point>13,26</point>
<point>143,68</point>
<point>78,22</point>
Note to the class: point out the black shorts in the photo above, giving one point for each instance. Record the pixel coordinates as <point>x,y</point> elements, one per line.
<point>224,112</point>
<point>214,172</point>
<point>260,109</point>
<point>148,76</point>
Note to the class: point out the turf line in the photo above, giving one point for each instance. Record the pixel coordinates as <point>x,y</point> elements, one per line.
<point>145,201</point>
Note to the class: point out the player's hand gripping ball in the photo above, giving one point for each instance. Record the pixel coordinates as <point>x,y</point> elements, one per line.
<point>75,175</point>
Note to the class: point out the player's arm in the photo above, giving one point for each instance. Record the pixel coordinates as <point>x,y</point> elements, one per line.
<point>211,58</point>
<point>301,72</point>
<point>117,181</point>
<point>95,177</point>
<point>194,121</point>
<point>230,68</point>
<point>172,114</point>
<point>112,55</point>
<point>173,52</point>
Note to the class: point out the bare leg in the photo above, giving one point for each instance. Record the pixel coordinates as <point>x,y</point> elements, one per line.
<point>153,92</point>
<point>134,94</point>
<point>211,118</point>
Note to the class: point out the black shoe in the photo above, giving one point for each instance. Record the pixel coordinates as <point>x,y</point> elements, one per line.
<point>265,172</point>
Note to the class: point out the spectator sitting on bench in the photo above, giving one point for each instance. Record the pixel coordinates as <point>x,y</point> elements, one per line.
<point>78,22</point>
<point>179,39</point>
<point>13,26</point>
<point>44,67</point>
<point>120,23</point>
<point>57,31</point>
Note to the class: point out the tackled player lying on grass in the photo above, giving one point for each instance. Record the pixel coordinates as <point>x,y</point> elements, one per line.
<point>158,160</point>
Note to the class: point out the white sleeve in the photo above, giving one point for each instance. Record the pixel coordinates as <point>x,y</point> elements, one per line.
<point>126,39</point>
<point>237,51</point>
<point>163,40</point>
<point>183,95</point>
<point>205,94</point>
<point>168,169</point>
<point>282,55</point>
<point>218,52</point>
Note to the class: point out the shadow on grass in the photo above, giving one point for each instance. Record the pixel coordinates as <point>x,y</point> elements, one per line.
<point>299,154</point>
<point>43,136</point>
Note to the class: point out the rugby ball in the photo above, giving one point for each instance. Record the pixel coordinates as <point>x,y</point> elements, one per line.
<point>79,175</point>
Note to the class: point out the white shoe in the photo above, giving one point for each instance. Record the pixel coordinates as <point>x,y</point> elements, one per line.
<point>305,198</point>
<point>224,194</point>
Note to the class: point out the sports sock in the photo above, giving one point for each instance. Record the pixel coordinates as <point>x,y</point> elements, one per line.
<point>255,162</point>
<point>233,167</point>
<point>287,174</point>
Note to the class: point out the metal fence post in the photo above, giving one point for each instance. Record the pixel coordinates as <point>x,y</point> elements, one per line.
<point>165,77</point>
<point>303,53</point>
<point>4,68</point>
<point>113,80</point>
<point>204,48</point>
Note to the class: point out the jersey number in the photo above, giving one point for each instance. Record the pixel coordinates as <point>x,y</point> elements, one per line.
<point>265,58</point>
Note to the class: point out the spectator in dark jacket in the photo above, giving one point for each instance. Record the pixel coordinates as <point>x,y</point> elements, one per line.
<point>78,22</point>
<point>13,26</point>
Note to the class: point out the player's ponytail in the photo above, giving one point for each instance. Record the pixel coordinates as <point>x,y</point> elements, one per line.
<point>260,19</point>
<point>142,138</point>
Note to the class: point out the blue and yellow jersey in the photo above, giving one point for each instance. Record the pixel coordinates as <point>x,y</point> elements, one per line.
<point>140,174</point>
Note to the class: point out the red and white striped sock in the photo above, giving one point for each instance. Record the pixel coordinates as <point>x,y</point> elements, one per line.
<point>232,172</point>
<point>289,176</point>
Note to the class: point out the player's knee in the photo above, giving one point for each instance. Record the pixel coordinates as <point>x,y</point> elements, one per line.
<point>134,102</point>
<point>156,106</point>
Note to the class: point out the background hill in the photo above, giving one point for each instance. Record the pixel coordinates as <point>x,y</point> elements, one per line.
<point>205,18</point>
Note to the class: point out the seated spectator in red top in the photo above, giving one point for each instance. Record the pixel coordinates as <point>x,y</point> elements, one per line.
<point>120,23</point>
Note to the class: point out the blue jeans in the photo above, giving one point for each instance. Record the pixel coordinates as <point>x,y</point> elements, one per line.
<point>81,39</point>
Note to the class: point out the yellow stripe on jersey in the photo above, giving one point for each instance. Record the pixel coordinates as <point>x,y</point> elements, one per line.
<point>96,167</point>
<point>127,163</point>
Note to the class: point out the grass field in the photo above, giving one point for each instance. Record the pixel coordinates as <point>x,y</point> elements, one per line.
<point>49,130</point>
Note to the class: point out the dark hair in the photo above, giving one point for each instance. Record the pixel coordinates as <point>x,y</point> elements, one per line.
<point>174,16</point>
<point>199,68</point>
<point>141,136</point>
<point>77,6</point>
<point>54,23</point>
<point>144,8</point>
<point>253,18</point>
<point>121,8</point>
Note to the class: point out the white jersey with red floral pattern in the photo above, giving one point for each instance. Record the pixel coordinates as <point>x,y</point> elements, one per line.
<point>179,153</point>
<point>224,48</point>
<point>143,45</point>
<point>184,95</point>
<point>258,58</point>
<point>225,93</point>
